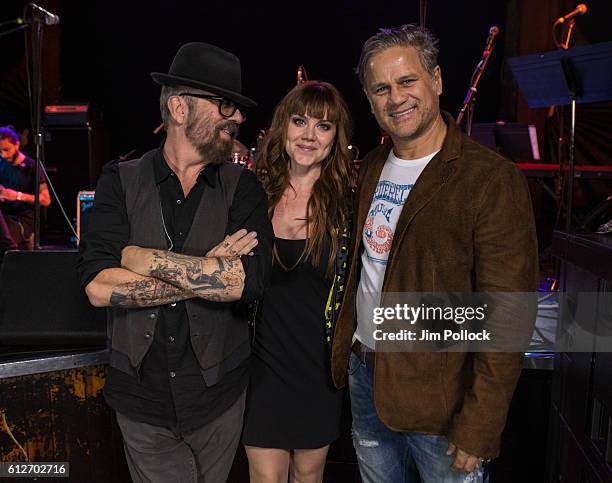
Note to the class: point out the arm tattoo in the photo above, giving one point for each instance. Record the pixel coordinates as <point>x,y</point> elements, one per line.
<point>213,278</point>
<point>149,292</point>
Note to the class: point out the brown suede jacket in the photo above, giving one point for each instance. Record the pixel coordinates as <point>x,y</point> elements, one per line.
<point>466,226</point>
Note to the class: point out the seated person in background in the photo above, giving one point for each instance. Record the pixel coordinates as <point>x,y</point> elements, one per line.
<point>17,188</point>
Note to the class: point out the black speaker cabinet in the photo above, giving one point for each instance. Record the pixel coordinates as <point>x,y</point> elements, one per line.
<point>74,157</point>
<point>42,303</point>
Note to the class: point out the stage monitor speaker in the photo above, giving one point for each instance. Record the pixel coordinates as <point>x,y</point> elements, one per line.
<point>74,157</point>
<point>42,303</point>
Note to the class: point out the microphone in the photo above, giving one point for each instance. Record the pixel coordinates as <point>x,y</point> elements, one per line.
<point>49,18</point>
<point>579,10</point>
<point>493,31</point>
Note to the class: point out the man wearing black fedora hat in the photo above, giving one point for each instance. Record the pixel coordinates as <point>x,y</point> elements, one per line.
<point>179,243</point>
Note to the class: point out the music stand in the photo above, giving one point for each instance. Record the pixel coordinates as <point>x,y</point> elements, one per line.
<point>578,75</point>
<point>517,141</point>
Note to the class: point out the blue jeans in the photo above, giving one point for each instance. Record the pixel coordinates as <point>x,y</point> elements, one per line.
<point>395,457</point>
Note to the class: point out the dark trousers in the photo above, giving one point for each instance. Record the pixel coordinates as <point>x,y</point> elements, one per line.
<point>166,455</point>
<point>14,234</point>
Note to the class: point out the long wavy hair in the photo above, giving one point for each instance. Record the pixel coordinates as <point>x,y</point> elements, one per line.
<point>328,203</point>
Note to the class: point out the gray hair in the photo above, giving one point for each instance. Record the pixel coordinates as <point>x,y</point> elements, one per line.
<point>409,35</point>
<point>167,92</point>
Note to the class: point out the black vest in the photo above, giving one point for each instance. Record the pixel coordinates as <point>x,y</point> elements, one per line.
<point>218,330</point>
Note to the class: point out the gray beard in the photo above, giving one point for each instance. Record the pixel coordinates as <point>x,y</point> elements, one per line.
<point>215,150</point>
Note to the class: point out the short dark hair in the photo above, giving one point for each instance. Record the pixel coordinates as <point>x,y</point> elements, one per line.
<point>8,133</point>
<point>409,35</point>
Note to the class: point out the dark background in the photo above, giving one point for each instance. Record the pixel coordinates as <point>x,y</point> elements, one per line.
<point>103,52</point>
<point>107,50</point>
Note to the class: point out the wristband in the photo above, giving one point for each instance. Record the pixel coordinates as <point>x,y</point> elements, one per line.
<point>19,193</point>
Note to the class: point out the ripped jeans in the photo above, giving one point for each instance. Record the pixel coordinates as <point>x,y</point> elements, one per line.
<point>387,456</point>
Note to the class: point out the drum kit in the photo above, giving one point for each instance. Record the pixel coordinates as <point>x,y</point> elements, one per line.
<point>243,156</point>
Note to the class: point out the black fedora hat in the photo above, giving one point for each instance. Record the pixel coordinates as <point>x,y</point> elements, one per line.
<point>204,66</point>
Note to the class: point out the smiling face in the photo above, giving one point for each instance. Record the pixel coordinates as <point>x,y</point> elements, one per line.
<point>308,140</point>
<point>210,133</point>
<point>403,94</point>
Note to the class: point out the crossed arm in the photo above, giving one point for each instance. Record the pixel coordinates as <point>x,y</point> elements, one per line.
<point>119,287</point>
<point>150,277</point>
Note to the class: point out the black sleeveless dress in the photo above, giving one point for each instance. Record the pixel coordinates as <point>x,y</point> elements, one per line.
<point>291,400</point>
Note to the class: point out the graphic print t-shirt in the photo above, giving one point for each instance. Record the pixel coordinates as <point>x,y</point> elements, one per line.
<point>396,181</point>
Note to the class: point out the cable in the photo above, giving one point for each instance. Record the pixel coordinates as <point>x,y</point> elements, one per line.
<point>554,35</point>
<point>59,203</point>
<point>161,209</point>
<point>18,21</point>
<point>15,29</point>
<point>10,433</point>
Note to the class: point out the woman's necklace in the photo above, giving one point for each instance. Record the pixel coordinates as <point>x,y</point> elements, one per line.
<point>276,256</point>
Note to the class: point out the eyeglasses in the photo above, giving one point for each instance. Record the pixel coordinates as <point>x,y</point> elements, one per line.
<point>226,107</point>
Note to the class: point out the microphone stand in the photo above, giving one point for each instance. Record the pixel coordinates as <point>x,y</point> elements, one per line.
<point>570,29</point>
<point>423,13</point>
<point>37,39</point>
<point>37,36</point>
<point>567,170</point>
<point>469,103</point>
<point>36,97</point>
<point>575,88</point>
<point>36,100</point>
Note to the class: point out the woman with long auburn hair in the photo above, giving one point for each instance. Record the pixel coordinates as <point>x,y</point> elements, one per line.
<point>305,165</point>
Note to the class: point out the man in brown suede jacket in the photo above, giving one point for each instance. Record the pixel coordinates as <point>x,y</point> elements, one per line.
<point>435,212</point>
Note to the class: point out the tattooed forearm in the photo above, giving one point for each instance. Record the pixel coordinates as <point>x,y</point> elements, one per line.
<point>149,292</point>
<point>212,278</point>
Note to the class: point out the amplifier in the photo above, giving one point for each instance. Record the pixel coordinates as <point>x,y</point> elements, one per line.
<point>85,201</point>
<point>67,115</point>
<point>74,158</point>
